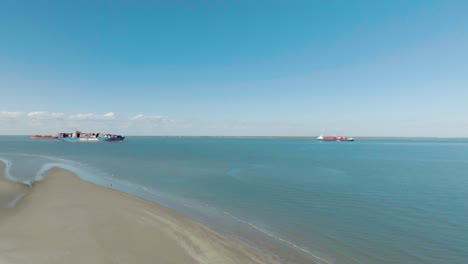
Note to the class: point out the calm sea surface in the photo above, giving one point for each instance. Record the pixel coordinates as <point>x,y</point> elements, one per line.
<point>369,201</point>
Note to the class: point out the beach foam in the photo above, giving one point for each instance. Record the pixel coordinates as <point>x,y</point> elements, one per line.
<point>10,191</point>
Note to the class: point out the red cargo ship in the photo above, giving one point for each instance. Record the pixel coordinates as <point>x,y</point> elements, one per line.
<point>43,137</point>
<point>322,138</point>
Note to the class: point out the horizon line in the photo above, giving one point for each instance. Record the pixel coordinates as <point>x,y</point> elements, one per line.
<point>279,137</point>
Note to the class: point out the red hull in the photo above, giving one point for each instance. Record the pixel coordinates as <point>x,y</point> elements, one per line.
<point>43,137</point>
<point>337,139</point>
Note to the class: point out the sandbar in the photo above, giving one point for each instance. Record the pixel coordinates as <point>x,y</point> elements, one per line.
<point>64,219</point>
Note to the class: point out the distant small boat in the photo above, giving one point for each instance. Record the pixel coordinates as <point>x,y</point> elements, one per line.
<point>43,137</point>
<point>333,138</point>
<point>78,136</point>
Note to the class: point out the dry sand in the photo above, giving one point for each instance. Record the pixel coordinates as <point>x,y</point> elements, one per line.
<point>66,220</point>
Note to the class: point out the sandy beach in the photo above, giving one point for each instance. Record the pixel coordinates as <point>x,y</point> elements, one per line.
<point>66,220</point>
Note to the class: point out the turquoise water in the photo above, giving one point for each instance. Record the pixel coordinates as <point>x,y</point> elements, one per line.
<point>369,201</point>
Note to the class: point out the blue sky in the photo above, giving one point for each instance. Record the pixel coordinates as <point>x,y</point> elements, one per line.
<point>286,68</point>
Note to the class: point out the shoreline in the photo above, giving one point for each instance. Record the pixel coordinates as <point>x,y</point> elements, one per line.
<point>64,219</point>
<point>10,192</point>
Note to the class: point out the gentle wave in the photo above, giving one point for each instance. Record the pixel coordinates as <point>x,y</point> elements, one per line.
<point>303,250</point>
<point>8,174</point>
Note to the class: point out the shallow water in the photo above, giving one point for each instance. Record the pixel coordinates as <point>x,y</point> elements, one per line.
<point>373,201</point>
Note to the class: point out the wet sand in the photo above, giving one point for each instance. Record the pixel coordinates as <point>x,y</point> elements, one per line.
<point>66,220</point>
<point>9,191</point>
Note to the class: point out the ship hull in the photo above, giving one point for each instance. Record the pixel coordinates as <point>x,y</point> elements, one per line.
<point>43,137</point>
<point>321,138</point>
<point>73,139</point>
<point>337,140</point>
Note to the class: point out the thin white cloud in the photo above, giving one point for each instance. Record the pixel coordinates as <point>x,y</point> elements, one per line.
<point>7,114</point>
<point>110,115</point>
<point>154,118</point>
<point>93,116</point>
<point>138,117</point>
<point>45,115</point>
<point>43,122</point>
<point>81,116</point>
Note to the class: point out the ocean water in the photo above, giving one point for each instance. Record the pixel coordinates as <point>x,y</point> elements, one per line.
<point>369,201</point>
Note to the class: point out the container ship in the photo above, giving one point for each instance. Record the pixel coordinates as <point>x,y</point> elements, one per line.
<point>334,138</point>
<point>78,136</point>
